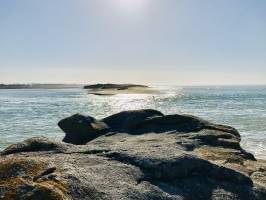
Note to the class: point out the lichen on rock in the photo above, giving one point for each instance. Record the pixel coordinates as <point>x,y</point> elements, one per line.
<point>17,181</point>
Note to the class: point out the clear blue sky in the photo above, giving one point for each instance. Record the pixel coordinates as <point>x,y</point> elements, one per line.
<point>183,42</point>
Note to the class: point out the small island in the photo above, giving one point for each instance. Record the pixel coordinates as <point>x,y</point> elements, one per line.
<point>113,89</point>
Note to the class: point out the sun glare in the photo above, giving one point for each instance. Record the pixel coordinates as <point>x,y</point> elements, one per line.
<point>130,6</point>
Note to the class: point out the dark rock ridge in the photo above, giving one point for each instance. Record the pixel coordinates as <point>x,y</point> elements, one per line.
<point>140,154</point>
<point>113,86</point>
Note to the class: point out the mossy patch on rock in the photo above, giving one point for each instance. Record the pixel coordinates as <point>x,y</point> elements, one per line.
<point>15,167</point>
<point>17,181</point>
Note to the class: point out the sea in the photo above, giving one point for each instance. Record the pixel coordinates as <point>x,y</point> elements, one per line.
<point>25,113</point>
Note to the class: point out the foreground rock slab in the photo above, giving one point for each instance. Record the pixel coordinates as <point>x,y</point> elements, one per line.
<point>140,154</point>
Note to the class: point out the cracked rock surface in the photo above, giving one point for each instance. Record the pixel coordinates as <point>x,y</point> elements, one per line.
<point>140,154</point>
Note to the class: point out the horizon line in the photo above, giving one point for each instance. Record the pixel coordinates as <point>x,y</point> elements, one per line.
<point>170,84</point>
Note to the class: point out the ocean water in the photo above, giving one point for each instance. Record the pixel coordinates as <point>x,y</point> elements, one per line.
<point>27,113</point>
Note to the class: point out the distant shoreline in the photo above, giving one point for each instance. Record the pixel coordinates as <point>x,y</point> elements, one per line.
<point>40,86</point>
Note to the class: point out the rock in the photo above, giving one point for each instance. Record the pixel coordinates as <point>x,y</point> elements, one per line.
<point>34,144</point>
<point>113,89</point>
<point>80,129</point>
<point>180,167</point>
<point>17,181</point>
<point>138,155</point>
<point>179,123</point>
<point>126,120</point>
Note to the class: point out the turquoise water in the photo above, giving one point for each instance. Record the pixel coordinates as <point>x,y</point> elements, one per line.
<point>27,113</point>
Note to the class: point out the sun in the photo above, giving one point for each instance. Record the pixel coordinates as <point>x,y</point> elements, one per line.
<point>131,5</point>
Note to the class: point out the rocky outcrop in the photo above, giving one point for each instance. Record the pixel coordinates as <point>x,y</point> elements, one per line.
<point>113,86</point>
<point>113,89</point>
<point>134,155</point>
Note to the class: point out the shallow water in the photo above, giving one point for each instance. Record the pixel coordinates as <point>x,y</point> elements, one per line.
<point>27,113</point>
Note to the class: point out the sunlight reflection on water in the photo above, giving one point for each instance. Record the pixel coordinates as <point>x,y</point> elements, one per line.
<point>27,113</point>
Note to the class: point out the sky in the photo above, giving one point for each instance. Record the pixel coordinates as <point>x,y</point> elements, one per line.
<point>183,42</point>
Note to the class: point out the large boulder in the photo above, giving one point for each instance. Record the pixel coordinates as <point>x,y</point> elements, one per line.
<point>177,123</point>
<point>81,129</point>
<point>142,155</point>
<point>126,120</point>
